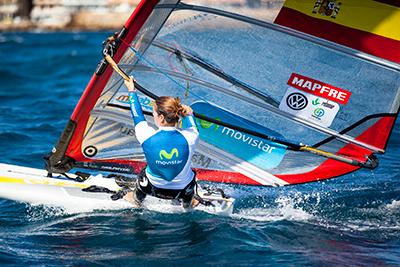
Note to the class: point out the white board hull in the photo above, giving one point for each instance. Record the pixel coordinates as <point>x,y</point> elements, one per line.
<point>32,186</point>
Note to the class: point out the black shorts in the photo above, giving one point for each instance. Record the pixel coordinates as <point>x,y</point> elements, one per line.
<point>144,187</point>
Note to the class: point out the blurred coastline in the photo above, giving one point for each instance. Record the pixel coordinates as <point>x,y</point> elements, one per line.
<point>92,15</point>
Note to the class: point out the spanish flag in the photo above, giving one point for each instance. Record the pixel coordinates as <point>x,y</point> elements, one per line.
<point>370,26</point>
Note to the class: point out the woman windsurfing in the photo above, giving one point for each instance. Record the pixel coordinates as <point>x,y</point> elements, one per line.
<point>168,150</point>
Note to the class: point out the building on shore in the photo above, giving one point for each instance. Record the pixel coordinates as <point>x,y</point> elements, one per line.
<point>15,9</point>
<point>100,14</point>
<point>88,14</point>
<point>15,14</point>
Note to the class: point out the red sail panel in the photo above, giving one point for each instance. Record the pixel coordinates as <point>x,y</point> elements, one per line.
<point>368,26</point>
<point>332,168</point>
<point>96,85</point>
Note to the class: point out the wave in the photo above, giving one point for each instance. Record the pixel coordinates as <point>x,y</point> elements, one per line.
<point>4,39</point>
<point>8,137</point>
<point>10,78</point>
<point>393,206</point>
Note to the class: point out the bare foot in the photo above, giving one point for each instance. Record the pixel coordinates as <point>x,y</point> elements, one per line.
<point>131,199</point>
<point>195,203</point>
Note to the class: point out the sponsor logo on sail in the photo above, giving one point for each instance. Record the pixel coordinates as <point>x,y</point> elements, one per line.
<point>144,101</point>
<point>247,139</point>
<point>316,102</point>
<point>240,136</point>
<point>262,153</point>
<point>328,105</point>
<point>319,110</point>
<point>319,88</point>
<point>206,124</point>
<point>318,113</point>
<point>296,101</point>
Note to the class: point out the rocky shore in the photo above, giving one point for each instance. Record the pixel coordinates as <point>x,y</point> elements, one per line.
<point>61,18</point>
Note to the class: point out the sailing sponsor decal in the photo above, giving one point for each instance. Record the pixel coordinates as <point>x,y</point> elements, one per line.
<point>328,8</point>
<point>318,88</point>
<point>297,101</point>
<point>260,152</point>
<point>122,98</point>
<point>313,100</point>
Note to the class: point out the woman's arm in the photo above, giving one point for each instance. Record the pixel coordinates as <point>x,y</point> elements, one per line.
<point>142,130</point>
<point>136,109</point>
<point>189,118</point>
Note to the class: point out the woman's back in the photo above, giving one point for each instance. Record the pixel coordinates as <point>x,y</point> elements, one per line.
<point>168,150</point>
<point>168,153</point>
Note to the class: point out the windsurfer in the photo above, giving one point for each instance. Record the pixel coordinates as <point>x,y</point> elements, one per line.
<point>168,150</point>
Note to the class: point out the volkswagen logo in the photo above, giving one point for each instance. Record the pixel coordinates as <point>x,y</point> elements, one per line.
<point>296,101</point>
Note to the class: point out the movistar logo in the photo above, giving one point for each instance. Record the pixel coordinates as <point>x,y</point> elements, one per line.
<point>207,124</point>
<point>165,154</point>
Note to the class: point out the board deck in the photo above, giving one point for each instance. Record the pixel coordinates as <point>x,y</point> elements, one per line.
<point>32,186</point>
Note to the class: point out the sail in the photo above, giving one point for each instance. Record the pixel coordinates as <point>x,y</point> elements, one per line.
<point>274,106</point>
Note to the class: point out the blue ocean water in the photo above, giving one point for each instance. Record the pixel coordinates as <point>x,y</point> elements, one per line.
<point>350,221</point>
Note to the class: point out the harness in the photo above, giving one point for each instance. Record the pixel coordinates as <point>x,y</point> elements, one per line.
<point>144,185</point>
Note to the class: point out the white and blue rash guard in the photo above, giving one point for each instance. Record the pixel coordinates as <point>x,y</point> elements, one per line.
<point>168,150</point>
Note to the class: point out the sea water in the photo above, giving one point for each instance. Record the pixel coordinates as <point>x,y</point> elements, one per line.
<point>349,221</point>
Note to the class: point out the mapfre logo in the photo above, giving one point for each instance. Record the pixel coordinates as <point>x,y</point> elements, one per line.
<point>319,88</point>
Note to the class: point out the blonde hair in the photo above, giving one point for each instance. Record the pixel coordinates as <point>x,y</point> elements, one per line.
<point>171,108</point>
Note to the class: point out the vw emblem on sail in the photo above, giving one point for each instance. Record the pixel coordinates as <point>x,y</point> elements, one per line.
<point>296,101</point>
